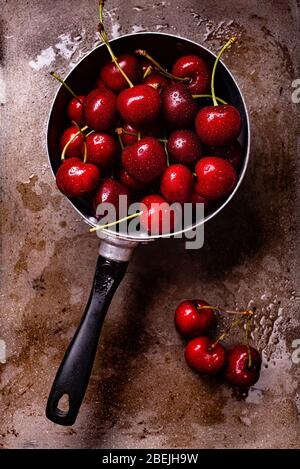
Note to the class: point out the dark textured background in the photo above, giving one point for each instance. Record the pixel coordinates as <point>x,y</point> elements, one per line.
<point>141,393</point>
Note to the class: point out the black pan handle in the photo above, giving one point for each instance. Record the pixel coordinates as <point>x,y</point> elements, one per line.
<point>74,372</point>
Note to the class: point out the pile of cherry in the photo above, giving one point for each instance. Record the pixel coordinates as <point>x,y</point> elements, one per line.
<point>195,320</point>
<point>142,132</point>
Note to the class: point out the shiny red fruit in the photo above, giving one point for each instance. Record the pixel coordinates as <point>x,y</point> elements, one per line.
<point>129,182</point>
<point>218,125</point>
<point>129,139</point>
<point>196,198</point>
<point>75,148</point>
<point>157,217</point>
<point>215,177</point>
<point>75,178</point>
<point>139,105</point>
<point>102,149</point>
<point>197,70</point>
<point>238,372</point>
<point>179,108</point>
<point>191,320</point>
<point>113,78</point>
<point>100,110</point>
<point>202,357</point>
<point>157,80</point>
<point>177,183</point>
<point>184,147</point>
<point>75,110</point>
<point>231,153</point>
<point>109,191</point>
<point>145,160</point>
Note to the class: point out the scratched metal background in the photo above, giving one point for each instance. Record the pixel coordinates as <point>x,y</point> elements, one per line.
<point>141,393</point>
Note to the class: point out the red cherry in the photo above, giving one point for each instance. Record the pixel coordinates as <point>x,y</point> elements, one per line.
<point>176,183</point>
<point>129,139</point>
<point>238,372</point>
<point>196,198</point>
<point>75,178</point>
<point>157,217</point>
<point>191,320</point>
<point>75,148</point>
<point>102,149</point>
<point>179,108</point>
<point>100,110</point>
<point>203,357</point>
<point>215,177</point>
<point>218,125</point>
<point>145,160</point>
<point>112,77</point>
<point>139,105</point>
<point>109,191</point>
<point>144,64</point>
<point>196,69</point>
<point>184,147</point>
<point>100,85</point>
<point>231,153</point>
<point>75,110</point>
<point>129,182</point>
<point>157,80</point>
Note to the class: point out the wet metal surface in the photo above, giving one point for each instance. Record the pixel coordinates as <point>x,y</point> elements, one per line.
<point>141,393</point>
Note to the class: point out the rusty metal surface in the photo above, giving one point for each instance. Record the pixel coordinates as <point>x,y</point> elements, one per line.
<point>141,393</point>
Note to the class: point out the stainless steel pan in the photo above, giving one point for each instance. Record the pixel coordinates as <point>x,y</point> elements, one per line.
<point>115,250</point>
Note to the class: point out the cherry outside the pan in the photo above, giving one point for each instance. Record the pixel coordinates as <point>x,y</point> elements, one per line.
<point>145,160</point>
<point>192,321</point>
<point>177,183</point>
<point>75,178</point>
<point>238,371</point>
<point>102,149</point>
<point>157,216</point>
<point>196,69</point>
<point>100,110</point>
<point>205,356</point>
<point>216,177</point>
<point>113,79</point>
<point>75,147</point>
<point>139,105</point>
<point>179,108</point>
<point>184,147</point>
<point>75,110</point>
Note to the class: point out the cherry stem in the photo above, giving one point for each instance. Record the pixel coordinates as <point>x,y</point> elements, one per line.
<point>104,37</point>
<point>246,312</point>
<point>121,131</point>
<point>58,78</point>
<point>195,96</point>
<point>102,227</point>
<point>84,151</point>
<point>159,67</point>
<point>228,43</point>
<point>70,141</point>
<point>247,333</point>
<point>147,71</point>
<point>235,323</point>
<point>121,141</point>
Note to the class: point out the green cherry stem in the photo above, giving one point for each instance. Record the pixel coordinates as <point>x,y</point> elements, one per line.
<point>164,72</point>
<point>246,312</point>
<point>195,96</point>
<point>234,324</point>
<point>58,78</point>
<point>147,71</point>
<point>108,225</point>
<point>70,141</point>
<point>104,37</point>
<point>228,43</point>
<point>247,333</point>
<point>121,131</point>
